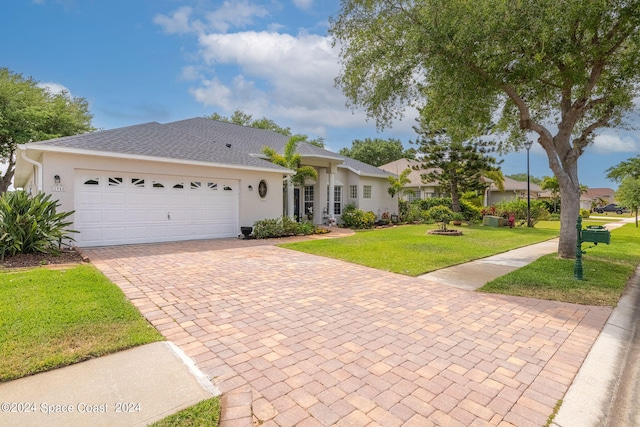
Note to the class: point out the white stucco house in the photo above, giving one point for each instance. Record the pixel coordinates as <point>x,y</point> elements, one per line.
<point>191,179</point>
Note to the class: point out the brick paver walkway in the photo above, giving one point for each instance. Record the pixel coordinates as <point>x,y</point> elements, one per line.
<point>295,339</point>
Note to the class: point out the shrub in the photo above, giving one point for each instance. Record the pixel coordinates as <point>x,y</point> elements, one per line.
<point>282,227</point>
<point>519,209</point>
<point>403,209</point>
<point>441,214</point>
<point>31,224</point>
<point>584,213</point>
<point>353,217</point>
<point>266,228</point>
<point>554,217</point>
<point>413,214</point>
<point>470,211</point>
<point>426,204</point>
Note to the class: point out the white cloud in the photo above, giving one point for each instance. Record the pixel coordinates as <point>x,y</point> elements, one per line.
<point>285,77</point>
<point>608,143</point>
<point>177,23</point>
<point>234,14</point>
<point>54,88</point>
<point>213,93</point>
<point>303,4</point>
<point>291,75</point>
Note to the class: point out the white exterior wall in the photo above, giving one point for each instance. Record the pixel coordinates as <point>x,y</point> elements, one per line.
<point>251,208</point>
<point>380,200</point>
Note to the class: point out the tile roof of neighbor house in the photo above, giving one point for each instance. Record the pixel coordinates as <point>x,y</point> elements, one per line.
<point>594,193</point>
<point>398,166</point>
<point>513,185</point>
<point>198,139</point>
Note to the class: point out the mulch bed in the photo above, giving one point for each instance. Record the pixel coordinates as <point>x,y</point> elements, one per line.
<point>36,259</point>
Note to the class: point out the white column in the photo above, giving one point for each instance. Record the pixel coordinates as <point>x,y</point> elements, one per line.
<point>332,185</point>
<point>333,169</point>
<point>290,210</point>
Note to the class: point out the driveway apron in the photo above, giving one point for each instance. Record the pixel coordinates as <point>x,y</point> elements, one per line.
<point>296,339</point>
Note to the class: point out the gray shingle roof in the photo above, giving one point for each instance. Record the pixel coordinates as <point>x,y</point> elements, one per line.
<point>252,140</point>
<point>199,139</point>
<point>156,140</point>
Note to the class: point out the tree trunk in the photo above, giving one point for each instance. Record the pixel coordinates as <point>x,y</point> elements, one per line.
<point>455,198</point>
<point>5,180</point>
<point>570,196</point>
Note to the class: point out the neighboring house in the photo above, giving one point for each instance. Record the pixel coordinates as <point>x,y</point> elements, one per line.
<point>597,197</point>
<point>592,198</point>
<point>191,179</point>
<point>416,190</point>
<point>513,190</point>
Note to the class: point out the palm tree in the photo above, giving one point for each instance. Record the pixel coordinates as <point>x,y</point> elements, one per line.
<point>291,160</point>
<point>496,176</point>
<point>551,183</point>
<point>397,184</point>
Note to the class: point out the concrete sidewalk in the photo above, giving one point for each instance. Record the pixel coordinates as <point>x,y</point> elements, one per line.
<point>475,274</point>
<point>133,387</point>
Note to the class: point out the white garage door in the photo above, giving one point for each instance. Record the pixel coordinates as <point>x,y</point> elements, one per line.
<point>118,208</point>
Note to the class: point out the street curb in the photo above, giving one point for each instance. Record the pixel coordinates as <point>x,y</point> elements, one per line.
<point>590,397</point>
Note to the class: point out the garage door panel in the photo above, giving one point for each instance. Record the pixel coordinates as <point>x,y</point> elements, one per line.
<point>127,208</point>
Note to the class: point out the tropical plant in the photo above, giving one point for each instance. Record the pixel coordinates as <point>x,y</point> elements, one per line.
<point>397,184</point>
<point>31,224</point>
<point>551,184</point>
<point>290,159</point>
<point>496,176</point>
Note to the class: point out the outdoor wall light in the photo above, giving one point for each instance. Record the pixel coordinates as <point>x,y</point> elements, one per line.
<point>56,179</point>
<point>251,188</point>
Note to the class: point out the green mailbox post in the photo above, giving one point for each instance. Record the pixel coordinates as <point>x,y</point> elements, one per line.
<point>594,234</point>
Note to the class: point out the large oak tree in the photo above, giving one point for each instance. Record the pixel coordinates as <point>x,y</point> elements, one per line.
<point>551,70</point>
<point>29,112</point>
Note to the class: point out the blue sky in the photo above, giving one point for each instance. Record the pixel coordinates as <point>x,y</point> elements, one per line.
<point>137,61</point>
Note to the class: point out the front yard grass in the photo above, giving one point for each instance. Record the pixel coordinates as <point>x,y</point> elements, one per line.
<point>411,251</point>
<point>606,270</point>
<point>205,413</point>
<point>54,318</point>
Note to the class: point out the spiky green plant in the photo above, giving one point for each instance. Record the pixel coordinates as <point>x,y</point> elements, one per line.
<point>31,224</point>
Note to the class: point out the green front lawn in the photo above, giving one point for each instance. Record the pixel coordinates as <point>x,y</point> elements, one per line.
<point>53,318</point>
<point>205,413</point>
<point>410,250</point>
<point>606,270</point>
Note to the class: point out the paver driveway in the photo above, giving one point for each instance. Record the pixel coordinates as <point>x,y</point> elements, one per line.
<point>296,339</point>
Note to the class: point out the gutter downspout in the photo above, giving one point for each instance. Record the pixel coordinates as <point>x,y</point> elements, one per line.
<point>23,154</point>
